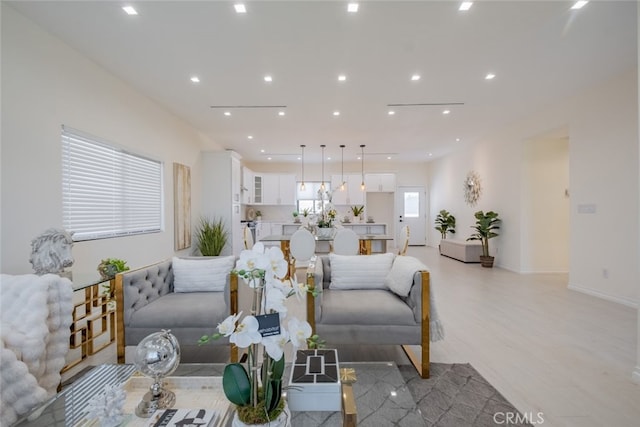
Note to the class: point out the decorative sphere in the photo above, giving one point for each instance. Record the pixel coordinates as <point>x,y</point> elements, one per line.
<point>158,354</point>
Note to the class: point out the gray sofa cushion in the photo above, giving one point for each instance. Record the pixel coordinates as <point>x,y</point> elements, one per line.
<point>183,310</point>
<point>371,305</point>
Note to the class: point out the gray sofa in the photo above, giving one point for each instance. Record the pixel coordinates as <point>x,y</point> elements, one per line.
<point>370,316</point>
<point>146,303</point>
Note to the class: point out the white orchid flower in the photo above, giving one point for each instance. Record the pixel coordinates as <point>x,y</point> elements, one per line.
<point>297,288</point>
<point>299,332</point>
<point>275,301</point>
<point>274,345</point>
<point>228,325</point>
<point>253,259</point>
<point>246,333</point>
<point>277,264</point>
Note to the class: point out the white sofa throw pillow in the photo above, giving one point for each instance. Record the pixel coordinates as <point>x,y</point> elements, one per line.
<point>201,274</point>
<point>359,271</point>
<point>400,277</point>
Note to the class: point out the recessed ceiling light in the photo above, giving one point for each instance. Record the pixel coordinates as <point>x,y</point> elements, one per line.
<point>250,137</point>
<point>352,7</point>
<point>129,10</point>
<point>446,111</point>
<point>430,154</point>
<point>227,113</point>
<point>342,78</point>
<point>415,77</point>
<point>457,139</point>
<point>490,76</point>
<point>465,5</point>
<point>240,8</point>
<point>328,158</point>
<point>281,113</point>
<point>388,157</point>
<point>268,158</point>
<point>262,151</point>
<point>268,79</point>
<point>391,112</point>
<point>336,113</point>
<point>195,79</point>
<point>579,4</point>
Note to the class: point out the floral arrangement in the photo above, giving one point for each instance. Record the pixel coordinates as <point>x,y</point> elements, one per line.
<point>109,267</point>
<point>256,388</point>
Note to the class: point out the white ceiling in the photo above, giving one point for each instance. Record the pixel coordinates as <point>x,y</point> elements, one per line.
<point>539,51</point>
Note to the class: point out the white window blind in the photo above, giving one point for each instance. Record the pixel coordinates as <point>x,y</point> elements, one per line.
<point>106,191</point>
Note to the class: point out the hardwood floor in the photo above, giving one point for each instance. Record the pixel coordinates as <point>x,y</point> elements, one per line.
<point>545,348</point>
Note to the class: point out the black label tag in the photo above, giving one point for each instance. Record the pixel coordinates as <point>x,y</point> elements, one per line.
<point>269,324</point>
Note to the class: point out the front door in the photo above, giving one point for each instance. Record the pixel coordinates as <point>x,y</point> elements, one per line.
<point>411,211</point>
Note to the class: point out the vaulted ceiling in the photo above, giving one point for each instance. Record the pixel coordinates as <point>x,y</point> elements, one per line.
<point>537,51</point>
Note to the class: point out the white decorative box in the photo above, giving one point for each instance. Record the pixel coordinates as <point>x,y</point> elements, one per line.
<point>315,381</point>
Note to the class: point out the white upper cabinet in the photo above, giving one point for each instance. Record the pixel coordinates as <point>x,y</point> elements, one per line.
<point>352,194</point>
<point>247,186</point>
<point>276,189</point>
<point>380,182</point>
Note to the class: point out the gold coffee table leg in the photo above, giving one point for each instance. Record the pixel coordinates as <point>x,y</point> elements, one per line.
<point>349,411</point>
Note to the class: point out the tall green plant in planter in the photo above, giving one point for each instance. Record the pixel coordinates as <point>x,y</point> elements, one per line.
<point>445,223</point>
<point>486,224</point>
<point>212,236</point>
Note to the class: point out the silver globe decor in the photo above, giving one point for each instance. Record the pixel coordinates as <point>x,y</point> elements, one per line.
<point>157,356</point>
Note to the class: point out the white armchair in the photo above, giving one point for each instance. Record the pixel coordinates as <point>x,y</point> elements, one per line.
<point>35,317</point>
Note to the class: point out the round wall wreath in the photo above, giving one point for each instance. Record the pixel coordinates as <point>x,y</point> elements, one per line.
<point>472,188</point>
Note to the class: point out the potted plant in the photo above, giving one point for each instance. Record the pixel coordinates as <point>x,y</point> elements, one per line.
<point>256,389</point>
<point>212,236</point>
<point>445,223</point>
<point>486,224</point>
<point>296,217</point>
<point>109,267</point>
<point>325,223</point>
<point>258,216</point>
<point>357,211</point>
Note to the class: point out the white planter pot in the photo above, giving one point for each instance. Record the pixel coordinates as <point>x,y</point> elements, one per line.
<point>324,232</point>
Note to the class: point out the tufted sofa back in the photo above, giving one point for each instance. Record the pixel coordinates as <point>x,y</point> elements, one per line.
<point>144,286</point>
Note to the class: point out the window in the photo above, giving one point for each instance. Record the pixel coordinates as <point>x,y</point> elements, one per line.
<point>411,204</point>
<point>310,198</point>
<point>106,191</point>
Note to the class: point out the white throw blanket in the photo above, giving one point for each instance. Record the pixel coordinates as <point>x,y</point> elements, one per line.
<point>35,320</point>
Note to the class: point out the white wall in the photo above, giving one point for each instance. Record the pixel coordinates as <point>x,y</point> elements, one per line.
<point>603,153</point>
<point>636,372</point>
<point>46,84</point>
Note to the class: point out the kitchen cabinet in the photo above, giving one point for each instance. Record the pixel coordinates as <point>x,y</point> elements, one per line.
<point>275,189</point>
<point>247,186</point>
<point>352,194</point>
<point>257,189</point>
<point>221,195</point>
<point>380,182</point>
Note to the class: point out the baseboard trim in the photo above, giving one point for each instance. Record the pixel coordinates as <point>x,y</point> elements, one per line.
<point>623,301</point>
<point>635,376</point>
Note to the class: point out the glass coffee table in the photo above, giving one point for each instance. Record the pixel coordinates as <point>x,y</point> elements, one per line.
<point>381,397</point>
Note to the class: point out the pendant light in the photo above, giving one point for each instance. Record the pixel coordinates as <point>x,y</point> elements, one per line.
<point>322,184</point>
<point>362,161</point>
<point>302,157</point>
<point>342,185</point>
